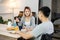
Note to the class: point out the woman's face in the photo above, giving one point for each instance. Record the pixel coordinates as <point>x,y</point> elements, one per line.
<point>27,12</point>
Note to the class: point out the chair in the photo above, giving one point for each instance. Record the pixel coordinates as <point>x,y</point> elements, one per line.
<point>25,39</point>
<point>34,15</point>
<point>46,37</point>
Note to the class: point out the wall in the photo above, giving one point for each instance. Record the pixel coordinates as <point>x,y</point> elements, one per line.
<point>54,5</point>
<point>6,16</point>
<point>47,3</point>
<point>58,6</point>
<point>33,4</point>
<point>5,12</point>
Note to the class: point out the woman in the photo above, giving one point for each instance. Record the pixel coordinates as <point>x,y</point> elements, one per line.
<point>28,20</point>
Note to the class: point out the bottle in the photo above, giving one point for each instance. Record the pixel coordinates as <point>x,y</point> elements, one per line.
<point>9,23</point>
<point>14,24</point>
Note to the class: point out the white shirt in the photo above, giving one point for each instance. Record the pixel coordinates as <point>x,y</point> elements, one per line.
<point>43,28</point>
<point>27,24</point>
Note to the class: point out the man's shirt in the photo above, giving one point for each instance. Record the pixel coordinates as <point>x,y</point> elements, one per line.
<point>43,28</point>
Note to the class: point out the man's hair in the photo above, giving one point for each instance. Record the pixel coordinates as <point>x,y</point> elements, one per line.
<point>21,12</point>
<point>45,10</point>
<point>15,18</point>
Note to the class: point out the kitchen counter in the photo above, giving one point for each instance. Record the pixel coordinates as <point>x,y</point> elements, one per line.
<point>5,35</point>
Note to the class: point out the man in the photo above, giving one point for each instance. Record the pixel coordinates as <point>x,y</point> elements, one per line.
<point>18,18</point>
<point>45,27</point>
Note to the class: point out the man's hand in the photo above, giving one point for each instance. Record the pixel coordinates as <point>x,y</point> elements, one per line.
<point>24,35</point>
<point>17,20</point>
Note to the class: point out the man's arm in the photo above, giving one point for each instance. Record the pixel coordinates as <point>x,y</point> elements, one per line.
<point>25,35</point>
<point>34,33</point>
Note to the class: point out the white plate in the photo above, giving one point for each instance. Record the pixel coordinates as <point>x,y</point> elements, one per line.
<point>23,30</point>
<point>12,32</point>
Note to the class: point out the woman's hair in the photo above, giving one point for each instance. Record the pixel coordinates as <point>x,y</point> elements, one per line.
<point>45,10</point>
<point>28,9</point>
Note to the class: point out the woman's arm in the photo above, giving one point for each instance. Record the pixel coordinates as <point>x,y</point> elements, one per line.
<point>32,24</point>
<point>33,21</point>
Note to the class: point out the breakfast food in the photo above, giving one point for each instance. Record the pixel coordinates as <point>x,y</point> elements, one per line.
<point>10,28</point>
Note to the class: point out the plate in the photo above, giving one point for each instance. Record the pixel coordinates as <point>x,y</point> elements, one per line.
<point>12,32</point>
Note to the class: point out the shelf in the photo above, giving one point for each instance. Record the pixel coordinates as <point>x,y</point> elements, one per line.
<point>4,13</point>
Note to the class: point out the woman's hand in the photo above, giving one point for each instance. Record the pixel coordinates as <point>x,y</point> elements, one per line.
<point>17,32</point>
<point>29,29</point>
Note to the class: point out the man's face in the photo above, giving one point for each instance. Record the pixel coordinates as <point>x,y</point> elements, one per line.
<point>40,15</point>
<point>21,14</point>
<point>27,12</point>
